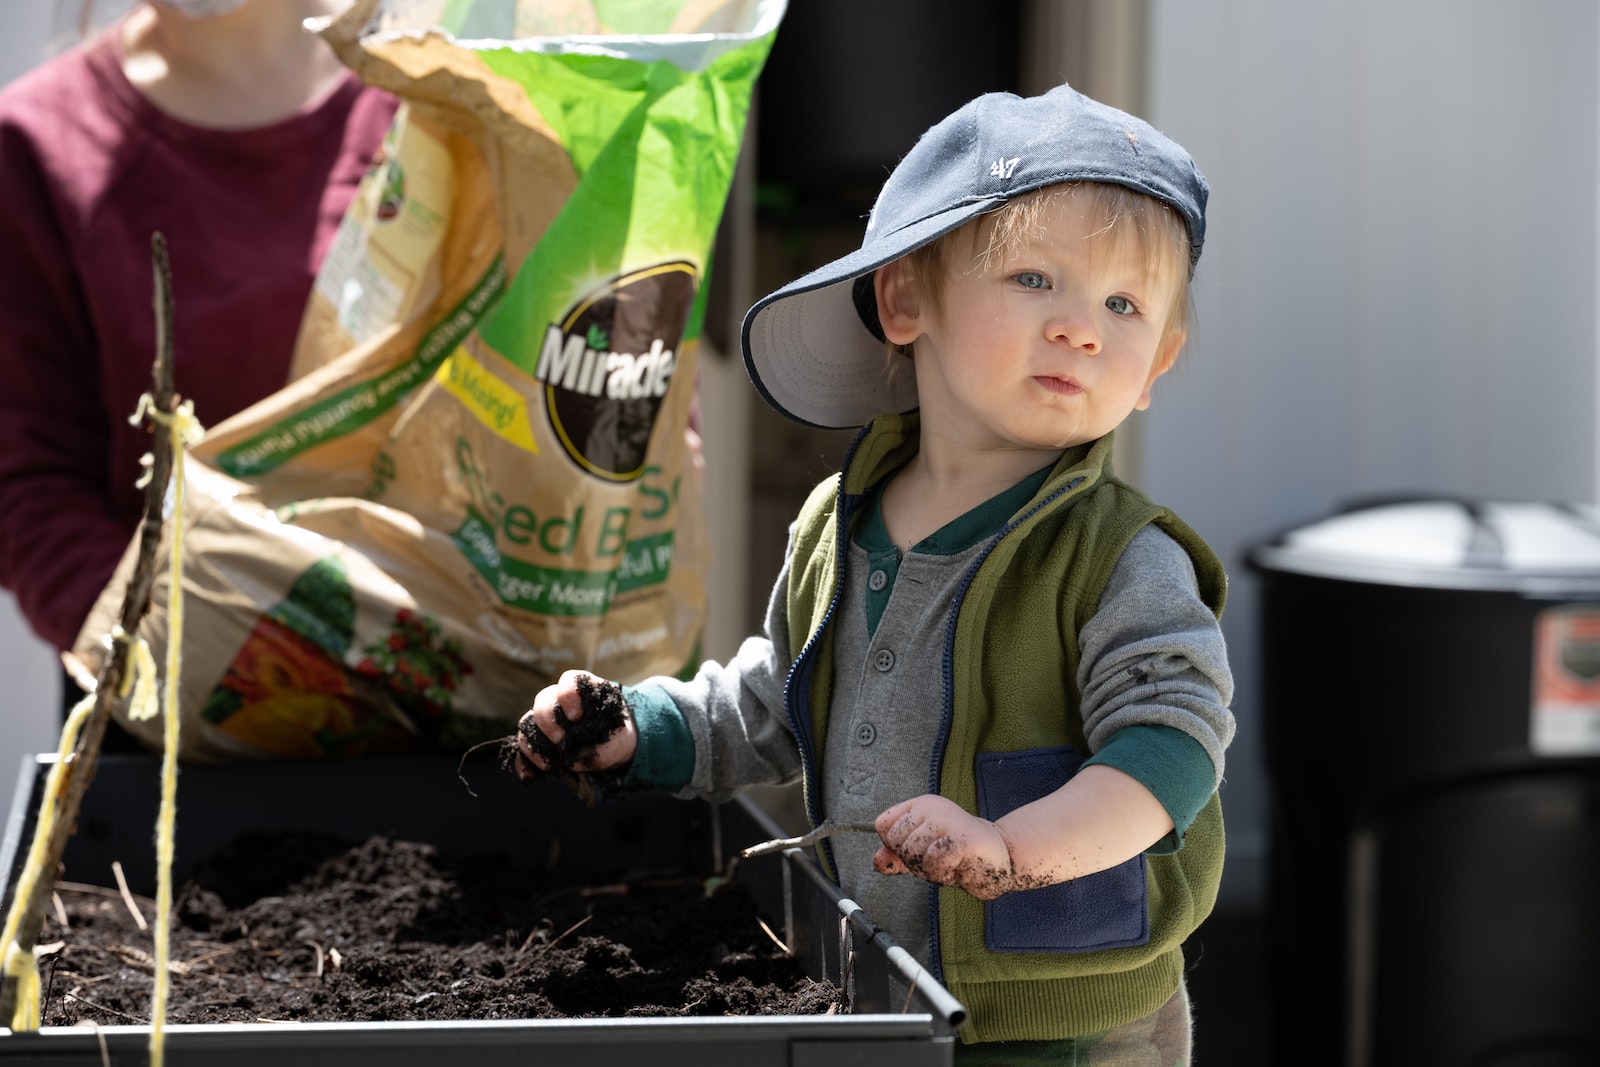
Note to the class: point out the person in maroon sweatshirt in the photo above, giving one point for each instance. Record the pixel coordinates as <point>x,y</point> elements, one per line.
<point>238,135</point>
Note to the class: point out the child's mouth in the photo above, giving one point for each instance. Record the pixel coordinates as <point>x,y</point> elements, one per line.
<point>1060,386</point>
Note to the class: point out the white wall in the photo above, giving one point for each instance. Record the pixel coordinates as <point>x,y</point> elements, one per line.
<point>1398,292</point>
<point>31,672</point>
<point>24,36</point>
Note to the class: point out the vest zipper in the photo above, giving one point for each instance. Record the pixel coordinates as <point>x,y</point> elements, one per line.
<point>947,712</point>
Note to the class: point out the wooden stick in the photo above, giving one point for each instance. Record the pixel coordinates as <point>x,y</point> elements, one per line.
<point>827,829</point>
<point>127,895</point>
<point>135,603</point>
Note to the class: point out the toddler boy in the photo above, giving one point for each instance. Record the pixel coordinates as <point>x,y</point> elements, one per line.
<point>982,641</point>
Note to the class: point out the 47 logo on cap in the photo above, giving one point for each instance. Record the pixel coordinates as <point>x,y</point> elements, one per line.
<point>608,365</point>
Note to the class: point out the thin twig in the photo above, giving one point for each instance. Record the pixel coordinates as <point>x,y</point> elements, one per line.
<point>548,945</point>
<point>97,891</point>
<point>544,924</point>
<point>101,1007</point>
<point>776,940</point>
<point>615,889</point>
<point>141,960</point>
<point>496,741</point>
<point>80,768</point>
<point>89,979</point>
<point>827,829</point>
<point>127,895</point>
<point>55,965</point>
<point>206,957</point>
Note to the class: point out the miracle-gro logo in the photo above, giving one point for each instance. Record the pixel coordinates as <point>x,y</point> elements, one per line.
<point>608,365</point>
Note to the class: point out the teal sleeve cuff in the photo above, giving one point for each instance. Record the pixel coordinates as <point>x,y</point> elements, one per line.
<point>1169,763</point>
<point>665,756</point>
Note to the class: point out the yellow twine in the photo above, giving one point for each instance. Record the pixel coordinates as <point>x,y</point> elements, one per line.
<point>23,968</point>
<point>141,680</point>
<point>184,429</point>
<point>20,965</point>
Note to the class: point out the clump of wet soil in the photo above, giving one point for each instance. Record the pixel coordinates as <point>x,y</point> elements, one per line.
<point>307,929</point>
<point>604,713</point>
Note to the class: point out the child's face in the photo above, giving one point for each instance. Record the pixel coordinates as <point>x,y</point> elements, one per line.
<point>1046,348</point>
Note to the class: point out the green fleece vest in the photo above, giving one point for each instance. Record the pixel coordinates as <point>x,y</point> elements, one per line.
<point>1014,658</point>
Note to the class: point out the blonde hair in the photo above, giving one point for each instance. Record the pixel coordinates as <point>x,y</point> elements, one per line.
<point>1121,214</point>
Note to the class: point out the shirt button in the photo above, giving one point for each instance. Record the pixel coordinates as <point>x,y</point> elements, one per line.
<point>883,660</point>
<point>866,733</point>
<point>877,581</point>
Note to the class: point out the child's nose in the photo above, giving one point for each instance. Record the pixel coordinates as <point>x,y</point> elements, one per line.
<point>1074,326</point>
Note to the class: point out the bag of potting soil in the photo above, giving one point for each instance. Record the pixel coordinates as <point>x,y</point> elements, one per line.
<point>482,472</point>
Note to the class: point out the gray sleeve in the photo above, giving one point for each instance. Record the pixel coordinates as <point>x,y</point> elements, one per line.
<point>1154,653</point>
<point>735,711</point>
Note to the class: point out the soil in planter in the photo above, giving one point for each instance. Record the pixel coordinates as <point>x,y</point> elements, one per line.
<point>295,928</point>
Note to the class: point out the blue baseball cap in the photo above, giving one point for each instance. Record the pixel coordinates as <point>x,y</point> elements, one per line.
<point>814,348</point>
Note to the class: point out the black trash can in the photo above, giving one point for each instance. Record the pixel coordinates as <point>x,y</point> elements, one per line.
<point>1430,695</point>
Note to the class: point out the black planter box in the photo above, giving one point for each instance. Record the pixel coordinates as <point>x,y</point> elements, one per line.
<point>423,799</point>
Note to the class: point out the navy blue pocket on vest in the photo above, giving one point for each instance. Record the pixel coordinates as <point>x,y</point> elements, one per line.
<point>1107,909</point>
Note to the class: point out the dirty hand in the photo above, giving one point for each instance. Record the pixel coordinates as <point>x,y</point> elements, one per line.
<point>936,839</point>
<point>558,710</point>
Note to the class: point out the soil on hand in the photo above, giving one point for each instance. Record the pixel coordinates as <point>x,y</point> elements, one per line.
<point>604,713</point>
<point>306,929</point>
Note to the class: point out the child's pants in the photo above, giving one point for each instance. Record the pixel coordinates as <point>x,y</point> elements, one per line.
<point>1160,1039</point>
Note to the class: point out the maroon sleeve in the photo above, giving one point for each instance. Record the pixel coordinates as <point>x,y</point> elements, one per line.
<point>58,541</point>
<point>88,171</point>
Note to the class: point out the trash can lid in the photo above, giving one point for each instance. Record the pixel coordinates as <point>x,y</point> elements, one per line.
<point>1535,548</point>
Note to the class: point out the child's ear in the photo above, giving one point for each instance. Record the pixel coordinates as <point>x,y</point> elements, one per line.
<point>1165,358</point>
<point>899,301</point>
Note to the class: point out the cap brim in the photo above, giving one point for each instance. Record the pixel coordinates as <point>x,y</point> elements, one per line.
<point>807,350</point>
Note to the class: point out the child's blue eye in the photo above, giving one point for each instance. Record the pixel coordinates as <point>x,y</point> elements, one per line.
<point>1029,279</point>
<point>1120,305</point>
